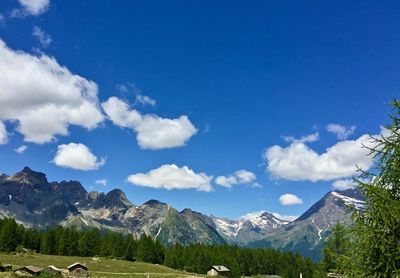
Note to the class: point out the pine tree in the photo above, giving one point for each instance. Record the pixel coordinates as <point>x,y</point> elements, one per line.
<point>376,249</point>
<point>8,240</point>
<point>89,243</point>
<point>130,248</point>
<point>335,247</point>
<point>32,240</point>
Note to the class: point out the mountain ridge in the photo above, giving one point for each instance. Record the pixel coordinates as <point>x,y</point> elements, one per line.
<point>28,197</point>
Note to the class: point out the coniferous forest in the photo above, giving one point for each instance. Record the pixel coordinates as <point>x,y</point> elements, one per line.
<point>195,258</point>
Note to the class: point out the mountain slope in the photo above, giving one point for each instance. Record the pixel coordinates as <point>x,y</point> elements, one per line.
<point>307,233</point>
<point>28,197</point>
<point>247,229</point>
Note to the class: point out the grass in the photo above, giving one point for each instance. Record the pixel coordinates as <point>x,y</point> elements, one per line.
<point>101,267</point>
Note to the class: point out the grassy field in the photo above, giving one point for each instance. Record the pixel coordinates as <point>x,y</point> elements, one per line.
<point>99,267</point>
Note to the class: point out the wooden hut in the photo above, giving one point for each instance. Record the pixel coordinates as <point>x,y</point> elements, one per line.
<point>5,267</point>
<point>218,270</point>
<point>53,270</point>
<point>78,270</point>
<point>29,271</point>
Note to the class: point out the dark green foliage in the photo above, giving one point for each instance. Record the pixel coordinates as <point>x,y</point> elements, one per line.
<point>375,251</point>
<point>194,258</point>
<point>150,251</point>
<point>240,261</point>
<point>130,248</point>
<point>9,234</point>
<point>31,240</point>
<point>336,246</point>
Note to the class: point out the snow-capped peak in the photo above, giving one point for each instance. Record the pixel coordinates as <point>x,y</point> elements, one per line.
<point>251,215</point>
<point>260,219</point>
<point>358,204</point>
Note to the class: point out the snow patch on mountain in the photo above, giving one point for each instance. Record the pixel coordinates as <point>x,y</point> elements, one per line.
<point>261,220</point>
<point>227,227</point>
<point>358,204</point>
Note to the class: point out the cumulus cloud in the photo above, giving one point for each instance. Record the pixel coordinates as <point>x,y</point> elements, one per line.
<point>44,38</point>
<point>238,177</point>
<point>34,7</point>
<point>152,131</point>
<point>3,134</point>
<point>77,156</point>
<point>304,139</point>
<point>341,132</point>
<point>144,100</point>
<point>21,149</point>
<point>299,162</point>
<point>290,200</point>
<point>102,182</point>
<point>344,184</point>
<point>43,97</point>
<point>170,176</point>
<point>285,217</point>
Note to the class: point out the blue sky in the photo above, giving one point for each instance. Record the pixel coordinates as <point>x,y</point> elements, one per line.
<point>176,95</point>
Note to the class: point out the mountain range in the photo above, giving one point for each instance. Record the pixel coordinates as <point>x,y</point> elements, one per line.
<point>33,201</point>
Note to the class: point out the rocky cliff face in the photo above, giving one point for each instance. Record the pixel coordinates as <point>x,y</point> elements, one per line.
<point>28,197</point>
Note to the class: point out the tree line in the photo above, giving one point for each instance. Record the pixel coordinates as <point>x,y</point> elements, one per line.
<point>240,261</point>
<point>72,242</point>
<point>198,258</point>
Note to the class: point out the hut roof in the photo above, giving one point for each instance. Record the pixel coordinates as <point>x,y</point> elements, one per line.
<point>52,267</point>
<point>220,268</point>
<point>31,268</point>
<point>77,264</point>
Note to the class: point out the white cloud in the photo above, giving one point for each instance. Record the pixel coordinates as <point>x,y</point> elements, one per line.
<point>304,139</point>
<point>290,200</point>
<point>34,7</point>
<point>256,185</point>
<point>285,217</point>
<point>3,134</point>
<point>44,38</point>
<point>143,100</point>
<point>299,162</point>
<point>343,184</point>
<point>245,176</point>
<point>21,149</point>
<point>77,156</point>
<point>44,98</point>
<point>226,181</point>
<point>341,132</point>
<point>152,131</point>
<point>238,177</point>
<point>102,182</point>
<point>170,176</point>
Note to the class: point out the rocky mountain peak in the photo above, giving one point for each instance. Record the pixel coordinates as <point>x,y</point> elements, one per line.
<point>117,198</point>
<point>93,195</point>
<point>187,211</point>
<point>28,176</point>
<point>154,203</point>
<point>72,191</point>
